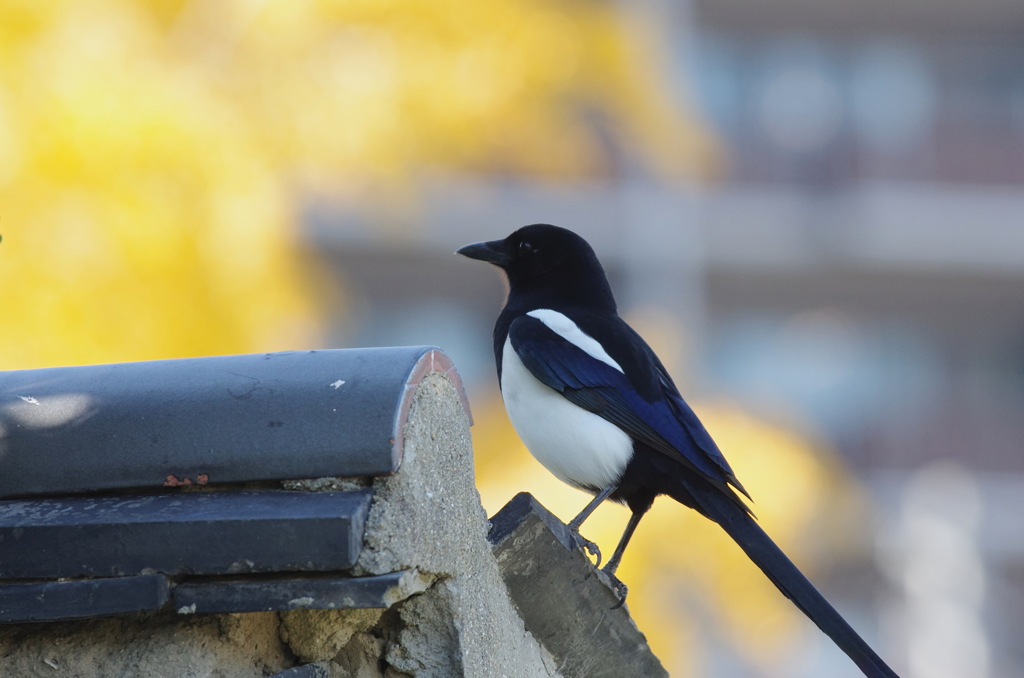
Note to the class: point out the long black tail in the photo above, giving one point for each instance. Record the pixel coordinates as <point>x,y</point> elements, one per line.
<point>793,584</point>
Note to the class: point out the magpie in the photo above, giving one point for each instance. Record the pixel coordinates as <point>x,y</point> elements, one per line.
<point>595,405</point>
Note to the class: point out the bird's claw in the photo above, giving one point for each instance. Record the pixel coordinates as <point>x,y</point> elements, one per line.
<point>618,588</point>
<point>590,546</point>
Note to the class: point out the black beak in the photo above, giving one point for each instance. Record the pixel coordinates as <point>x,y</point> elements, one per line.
<point>493,252</point>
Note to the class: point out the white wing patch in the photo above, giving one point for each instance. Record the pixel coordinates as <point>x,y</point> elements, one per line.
<point>561,325</point>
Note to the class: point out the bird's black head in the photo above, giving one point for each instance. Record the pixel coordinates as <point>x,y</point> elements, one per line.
<point>552,264</point>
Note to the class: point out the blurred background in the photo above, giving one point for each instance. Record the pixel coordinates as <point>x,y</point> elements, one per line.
<point>814,210</point>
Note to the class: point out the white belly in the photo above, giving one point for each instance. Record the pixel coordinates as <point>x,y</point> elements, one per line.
<point>579,447</point>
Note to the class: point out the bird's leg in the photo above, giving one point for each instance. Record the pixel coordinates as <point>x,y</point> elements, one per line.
<point>574,524</point>
<point>627,534</point>
<point>613,563</point>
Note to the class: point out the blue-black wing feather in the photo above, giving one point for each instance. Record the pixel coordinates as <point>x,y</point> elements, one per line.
<point>648,407</point>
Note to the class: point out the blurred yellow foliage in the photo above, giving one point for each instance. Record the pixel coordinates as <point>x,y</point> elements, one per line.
<point>141,219</point>
<point>153,155</point>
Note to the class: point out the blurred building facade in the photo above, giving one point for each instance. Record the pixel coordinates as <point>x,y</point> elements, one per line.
<point>888,141</point>
<point>858,259</point>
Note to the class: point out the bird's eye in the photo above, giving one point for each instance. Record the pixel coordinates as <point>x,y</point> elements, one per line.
<point>525,247</point>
